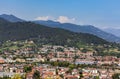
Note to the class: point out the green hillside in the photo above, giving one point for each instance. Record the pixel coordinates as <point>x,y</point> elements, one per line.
<point>44,35</point>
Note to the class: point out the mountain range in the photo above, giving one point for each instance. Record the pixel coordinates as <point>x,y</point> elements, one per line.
<point>44,34</point>
<point>68,26</point>
<point>81,29</point>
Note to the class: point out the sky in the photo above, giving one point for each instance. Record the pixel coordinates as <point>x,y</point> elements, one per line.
<point>100,13</point>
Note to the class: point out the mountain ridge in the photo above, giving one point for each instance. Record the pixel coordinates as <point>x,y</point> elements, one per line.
<point>11,18</point>
<point>81,28</point>
<point>113,31</point>
<point>68,26</point>
<point>44,34</point>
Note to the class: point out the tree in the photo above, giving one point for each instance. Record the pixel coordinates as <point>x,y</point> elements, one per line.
<point>16,76</point>
<point>116,76</point>
<point>27,68</point>
<point>60,49</point>
<point>5,77</point>
<point>36,75</point>
<point>62,76</point>
<point>96,77</point>
<point>71,66</point>
<point>84,50</point>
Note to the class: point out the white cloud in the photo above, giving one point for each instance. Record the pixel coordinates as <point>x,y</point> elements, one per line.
<point>45,18</point>
<point>65,19</point>
<point>61,19</point>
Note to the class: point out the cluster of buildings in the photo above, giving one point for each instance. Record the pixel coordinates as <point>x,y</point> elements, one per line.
<point>104,67</point>
<point>63,73</point>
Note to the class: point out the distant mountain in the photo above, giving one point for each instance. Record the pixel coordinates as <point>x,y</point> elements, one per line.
<point>11,18</point>
<point>67,26</point>
<point>113,31</point>
<point>81,29</point>
<point>44,34</point>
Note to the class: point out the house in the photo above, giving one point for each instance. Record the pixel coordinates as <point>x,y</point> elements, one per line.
<point>9,60</point>
<point>29,76</point>
<point>20,60</point>
<point>1,68</point>
<point>103,74</point>
<point>2,60</point>
<point>62,70</point>
<point>13,69</point>
<point>70,77</point>
<point>84,61</point>
<point>75,71</point>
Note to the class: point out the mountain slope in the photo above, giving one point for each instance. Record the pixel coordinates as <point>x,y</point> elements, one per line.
<point>72,27</point>
<point>113,31</point>
<point>11,18</point>
<point>45,35</point>
<point>81,28</point>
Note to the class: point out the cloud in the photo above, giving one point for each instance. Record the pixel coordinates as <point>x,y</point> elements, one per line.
<point>61,19</point>
<point>44,18</point>
<point>65,19</point>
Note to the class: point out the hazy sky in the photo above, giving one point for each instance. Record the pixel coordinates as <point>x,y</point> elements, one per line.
<point>101,13</point>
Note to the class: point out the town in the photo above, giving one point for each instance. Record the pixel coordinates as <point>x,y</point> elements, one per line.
<point>55,62</point>
<point>59,39</point>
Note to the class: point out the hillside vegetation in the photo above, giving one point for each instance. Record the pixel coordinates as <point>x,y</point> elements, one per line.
<point>44,35</point>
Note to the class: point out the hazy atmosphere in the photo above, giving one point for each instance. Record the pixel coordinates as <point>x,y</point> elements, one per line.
<point>100,13</point>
